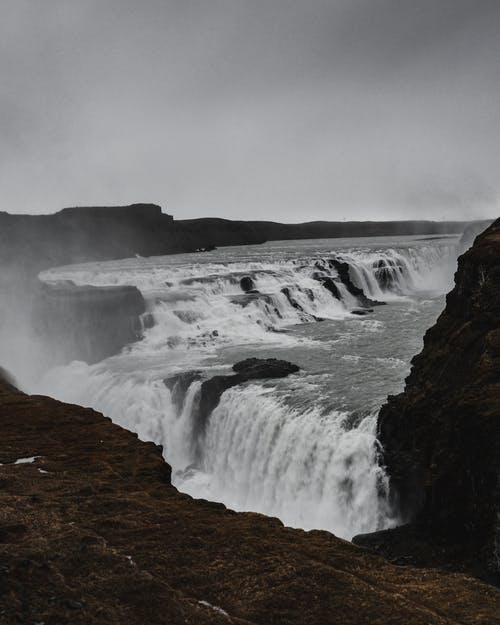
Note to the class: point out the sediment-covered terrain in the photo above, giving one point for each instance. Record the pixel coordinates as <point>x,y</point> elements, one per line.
<point>91,531</point>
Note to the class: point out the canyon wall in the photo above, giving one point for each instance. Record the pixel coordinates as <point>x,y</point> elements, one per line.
<point>92,531</point>
<point>80,234</point>
<point>441,436</point>
<point>86,322</point>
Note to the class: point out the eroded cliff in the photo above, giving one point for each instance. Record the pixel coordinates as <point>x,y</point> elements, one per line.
<point>91,531</point>
<point>441,436</point>
<point>86,322</point>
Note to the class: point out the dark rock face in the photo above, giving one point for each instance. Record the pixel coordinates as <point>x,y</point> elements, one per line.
<point>257,368</point>
<point>85,322</point>
<point>386,273</point>
<point>179,385</point>
<point>249,369</point>
<point>329,284</point>
<point>291,300</point>
<point>245,299</point>
<point>471,232</point>
<point>441,437</point>
<point>343,271</point>
<point>93,531</point>
<point>247,284</point>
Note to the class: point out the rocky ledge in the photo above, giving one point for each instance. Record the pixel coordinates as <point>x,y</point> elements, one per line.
<point>441,436</point>
<point>244,371</point>
<point>212,388</point>
<point>86,322</point>
<point>91,531</point>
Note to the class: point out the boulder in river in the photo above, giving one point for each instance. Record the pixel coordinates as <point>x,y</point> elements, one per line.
<point>179,384</point>
<point>245,370</point>
<point>247,285</point>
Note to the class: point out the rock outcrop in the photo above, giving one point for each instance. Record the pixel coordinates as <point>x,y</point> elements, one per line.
<point>179,384</point>
<point>81,234</point>
<point>343,271</point>
<point>329,284</point>
<point>91,531</point>
<point>244,371</point>
<point>470,233</point>
<point>441,436</point>
<point>247,285</point>
<point>86,322</point>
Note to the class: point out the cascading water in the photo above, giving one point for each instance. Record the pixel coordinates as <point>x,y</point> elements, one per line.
<point>303,448</point>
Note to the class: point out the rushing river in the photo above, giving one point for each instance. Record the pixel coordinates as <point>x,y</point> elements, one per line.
<point>301,448</point>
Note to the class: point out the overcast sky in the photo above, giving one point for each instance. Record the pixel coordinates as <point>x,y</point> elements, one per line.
<point>289,110</point>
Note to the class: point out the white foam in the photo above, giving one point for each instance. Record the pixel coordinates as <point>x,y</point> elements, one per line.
<point>312,470</point>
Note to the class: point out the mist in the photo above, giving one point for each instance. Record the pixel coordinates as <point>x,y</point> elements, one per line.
<point>279,110</point>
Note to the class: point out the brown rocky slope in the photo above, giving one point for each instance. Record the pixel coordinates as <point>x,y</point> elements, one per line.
<point>91,531</point>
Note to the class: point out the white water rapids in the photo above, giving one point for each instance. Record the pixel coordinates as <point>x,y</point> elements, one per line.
<point>301,448</point>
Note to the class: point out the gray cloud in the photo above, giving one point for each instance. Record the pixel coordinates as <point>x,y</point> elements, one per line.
<point>268,109</point>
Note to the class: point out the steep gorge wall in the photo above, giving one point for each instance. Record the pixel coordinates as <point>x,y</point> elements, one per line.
<point>92,531</point>
<point>81,234</point>
<point>441,436</point>
<point>85,322</point>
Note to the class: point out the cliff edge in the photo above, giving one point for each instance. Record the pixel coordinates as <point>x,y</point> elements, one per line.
<point>91,531</point>
<point>441,436</point>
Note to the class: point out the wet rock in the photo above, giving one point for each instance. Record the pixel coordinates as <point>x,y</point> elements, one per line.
<point>254,368</point>
<point>343,272</point>
<point>441,436</point>
<point>329,284</point>
<point>249,369</point>
<point>361,311</point>
<point>291,300</point>
<point>245,299</point>
<point>387,272</point>
<point>304,315</point>
<point>148,320</point>
<point>179,384</point>
<point>86,322</point>
<point>247,285</point>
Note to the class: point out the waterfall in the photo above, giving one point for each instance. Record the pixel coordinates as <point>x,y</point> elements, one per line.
<point>303,449</point>
<point>196,305</point>
<point>308,468</point>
